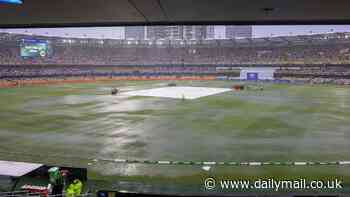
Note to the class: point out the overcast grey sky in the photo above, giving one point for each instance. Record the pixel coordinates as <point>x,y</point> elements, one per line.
<point>118,32</point>
<point>284,30</point>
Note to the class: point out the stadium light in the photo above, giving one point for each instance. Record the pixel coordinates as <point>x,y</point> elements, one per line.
<point>11,1</point>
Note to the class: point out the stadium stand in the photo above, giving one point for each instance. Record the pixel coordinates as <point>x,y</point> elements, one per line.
<point>322,58</point>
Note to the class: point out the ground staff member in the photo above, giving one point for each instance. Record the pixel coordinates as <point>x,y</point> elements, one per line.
<point>74,189</point>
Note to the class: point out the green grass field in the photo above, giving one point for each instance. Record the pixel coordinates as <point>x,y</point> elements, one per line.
<point>66,123</point>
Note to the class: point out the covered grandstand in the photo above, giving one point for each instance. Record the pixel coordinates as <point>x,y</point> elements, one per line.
<point>324,55</point>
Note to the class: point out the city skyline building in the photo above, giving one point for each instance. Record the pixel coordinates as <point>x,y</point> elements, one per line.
<point>134,33</point>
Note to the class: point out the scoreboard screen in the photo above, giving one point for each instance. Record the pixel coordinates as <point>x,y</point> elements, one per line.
<point>34,48</point>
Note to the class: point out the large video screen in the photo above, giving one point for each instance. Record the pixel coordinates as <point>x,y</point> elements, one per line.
<point>209,110</point>
<point>31,48</point>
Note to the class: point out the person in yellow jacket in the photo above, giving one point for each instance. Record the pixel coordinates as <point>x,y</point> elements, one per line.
<point>74,189</point>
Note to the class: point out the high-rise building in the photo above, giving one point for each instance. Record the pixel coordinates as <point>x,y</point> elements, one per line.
<point>174,32</point>
<point>135,32</point>
<point>187,32</point>
<point>194,32</point>
<point>232,31</point>
<point>156,32</point>
<point>210,32</point>
<point>164,32</point>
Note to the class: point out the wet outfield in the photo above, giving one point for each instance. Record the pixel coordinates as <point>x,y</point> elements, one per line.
<point>77,121</point>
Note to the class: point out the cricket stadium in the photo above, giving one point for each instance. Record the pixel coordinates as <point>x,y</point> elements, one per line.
<point>170,113</point>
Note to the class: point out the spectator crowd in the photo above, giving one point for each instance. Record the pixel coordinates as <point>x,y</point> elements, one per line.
<point>319,61</point>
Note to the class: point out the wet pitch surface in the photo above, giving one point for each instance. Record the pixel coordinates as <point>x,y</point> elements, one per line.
<point>74,123</point>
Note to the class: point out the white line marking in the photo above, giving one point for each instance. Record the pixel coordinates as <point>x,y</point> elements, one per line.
<point>209,163</point>
<point>120,160</point>
<point>164,162</point>
<point>255,163</point>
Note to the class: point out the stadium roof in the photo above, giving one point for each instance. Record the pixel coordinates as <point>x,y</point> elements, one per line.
<point>17,169</point>
<point>143,12</point>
